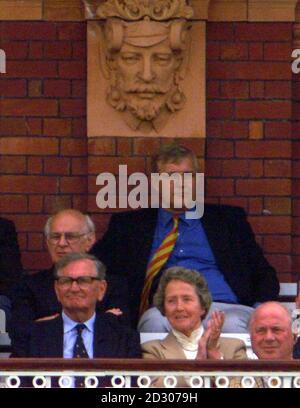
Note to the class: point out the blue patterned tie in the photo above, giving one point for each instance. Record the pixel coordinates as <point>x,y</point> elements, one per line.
<point>79,351</point>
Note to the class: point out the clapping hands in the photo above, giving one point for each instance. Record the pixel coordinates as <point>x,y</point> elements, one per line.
<point>208,347</point>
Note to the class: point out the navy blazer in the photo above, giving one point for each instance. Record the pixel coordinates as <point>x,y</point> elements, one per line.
<point>296,350</point>
<point>10,259</point>
<point>111,339</point>
<point>126,247</point>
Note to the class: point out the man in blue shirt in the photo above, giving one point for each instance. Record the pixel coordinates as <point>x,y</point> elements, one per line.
<point>79,284</point>
<point>220,245</point>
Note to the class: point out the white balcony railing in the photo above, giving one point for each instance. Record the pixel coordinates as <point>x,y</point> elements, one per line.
<point>118,373</point>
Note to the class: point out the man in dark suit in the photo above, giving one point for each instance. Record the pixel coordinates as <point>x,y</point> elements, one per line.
<point>220,245</point>
<point>296,327</point>
<point>296,351</point>
<point>10,263</point>
<point>79,284</point>
<point>271,332</point>
<point>272,338</point>
<point>79,331</point>
<point>34,297</point>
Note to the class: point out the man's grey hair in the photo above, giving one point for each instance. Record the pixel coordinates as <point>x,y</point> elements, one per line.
<point>173,153</point>
<point>89,224</point>
<point>190,276</point>
<point>66,260</point>
<point>269,303</point>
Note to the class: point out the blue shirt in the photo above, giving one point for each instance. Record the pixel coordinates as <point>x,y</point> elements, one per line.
<point>192,250</point>
<point>70,334</point>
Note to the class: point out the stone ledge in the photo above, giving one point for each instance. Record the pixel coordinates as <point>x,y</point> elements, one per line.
<point>63,10</point>
<point>211,10</point>
<point>272,10</point>
<point>20,9</point>
<point>227,10</point>
<point>252,10</point>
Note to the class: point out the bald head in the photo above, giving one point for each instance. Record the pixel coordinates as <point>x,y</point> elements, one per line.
<point>268,308</point>
<point>69,231</point>
<point>271,332</point>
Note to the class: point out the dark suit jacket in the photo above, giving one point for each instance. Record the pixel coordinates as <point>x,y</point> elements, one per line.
<point>296,352</point>
<point>34,297</point>
<point>111,339</point>
<point>10,259</point>
<point>126,247</point>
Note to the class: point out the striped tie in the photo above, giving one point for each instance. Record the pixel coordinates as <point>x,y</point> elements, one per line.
<point>159,258</point>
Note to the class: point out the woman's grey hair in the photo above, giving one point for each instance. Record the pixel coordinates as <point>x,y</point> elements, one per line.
<point>66,260</point>
<point>190,276</point>
<point>89,224</point>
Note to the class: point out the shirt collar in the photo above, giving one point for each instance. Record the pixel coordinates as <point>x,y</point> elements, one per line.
<point>165,217</point>
<point>70,324</point>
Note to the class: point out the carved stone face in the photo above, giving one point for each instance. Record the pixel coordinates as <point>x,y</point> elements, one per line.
<point>145,79</point>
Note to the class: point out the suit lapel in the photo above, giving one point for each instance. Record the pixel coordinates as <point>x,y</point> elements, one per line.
<point>54,338</point>
<point>172,348</point>
<point>145,235</point>
<point>103,344</point>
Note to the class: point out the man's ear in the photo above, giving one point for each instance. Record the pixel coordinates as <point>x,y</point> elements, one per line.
<point>295,337</point>
<point>90,239</point>
<point>56,291</point>
<point>102,289</point>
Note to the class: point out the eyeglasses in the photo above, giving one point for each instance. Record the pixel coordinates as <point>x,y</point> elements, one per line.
<point>70,237</point>
<point>82,281</point>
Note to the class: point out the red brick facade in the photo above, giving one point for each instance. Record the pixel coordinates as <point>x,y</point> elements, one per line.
<point>43,142</point>
<point>249,148</point>
<point>251,159</point>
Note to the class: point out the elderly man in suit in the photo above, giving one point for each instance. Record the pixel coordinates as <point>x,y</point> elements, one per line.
<point>10,263</point>
<point>34,297</point>
<point>79,331</point>
<point>271,332</point>
<point>220,245</point>
<point>79,284</point>
<point>271,335</point>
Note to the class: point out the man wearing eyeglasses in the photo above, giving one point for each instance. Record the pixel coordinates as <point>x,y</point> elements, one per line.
<point>79,331</point>
<point>34,298</point>
<point>69,231</point>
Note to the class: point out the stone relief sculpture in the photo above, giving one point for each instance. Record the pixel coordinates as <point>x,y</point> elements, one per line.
<point>145,56</point>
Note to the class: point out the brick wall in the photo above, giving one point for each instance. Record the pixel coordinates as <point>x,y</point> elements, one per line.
<point>42,127</point>
<point>296,177</point>
<point>45,155</point>
<point>249,158</point>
